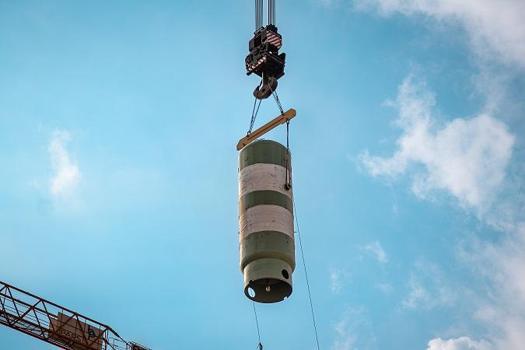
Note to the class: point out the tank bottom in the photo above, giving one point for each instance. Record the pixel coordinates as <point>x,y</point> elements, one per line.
<point>268,280</point>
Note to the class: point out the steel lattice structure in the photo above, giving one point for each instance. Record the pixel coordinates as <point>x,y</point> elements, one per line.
<point>55,324</point>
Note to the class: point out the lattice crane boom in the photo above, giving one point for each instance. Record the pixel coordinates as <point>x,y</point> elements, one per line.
<point>55,324</point>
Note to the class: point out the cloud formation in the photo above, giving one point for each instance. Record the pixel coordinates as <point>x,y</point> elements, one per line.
<point>353,332</point>
<point>466,158</point>
<point>376,250</point>
<point>336,280</point>
<point>495,28</point>
<point>428,288</point>
<point>345,339</point>
<point>66,174</point>
<point>501,267</point>
<point>461,343</point>
<point>469,159</point>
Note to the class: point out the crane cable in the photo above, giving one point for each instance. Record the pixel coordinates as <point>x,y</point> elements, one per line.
<point>288,186</point>
<point>257,104</point>
<point>255,110</point>
<point>303,258</point>
<point>276,97</point>
<point>312,310</point>
<point>259,345</point>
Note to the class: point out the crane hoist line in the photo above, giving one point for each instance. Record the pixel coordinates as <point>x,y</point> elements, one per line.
<point>55,324</point>
<point>266,219</point>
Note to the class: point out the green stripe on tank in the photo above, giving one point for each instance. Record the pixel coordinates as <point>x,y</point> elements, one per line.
<point>263,151</point>
<point>255,198</point>
<point>267,244</point>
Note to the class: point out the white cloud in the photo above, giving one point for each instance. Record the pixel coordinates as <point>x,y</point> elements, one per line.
<point>386,288</point>
<point>336,284</point>
<point>338,278</point>
<point>427,295</point>
<point>353,332</point>
<point>66,174</point>
<point>465,157</point>
<point>501,268</point>
<point>428,288</point>
<point>461,343</point>
<point>345,339</point>
<point>469,159</point>
<point>417,295</point>
<point>495,28</point>
<point>376,250</point>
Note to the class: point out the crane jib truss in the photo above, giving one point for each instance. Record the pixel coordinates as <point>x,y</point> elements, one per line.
<point>55,324</point>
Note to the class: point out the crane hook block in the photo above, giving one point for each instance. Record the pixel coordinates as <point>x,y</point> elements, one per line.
<point>265,90</point>
<point>265,60</point>
<point>266,229</point>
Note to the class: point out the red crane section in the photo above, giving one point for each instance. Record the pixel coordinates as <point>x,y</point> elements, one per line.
<point>55,324</point>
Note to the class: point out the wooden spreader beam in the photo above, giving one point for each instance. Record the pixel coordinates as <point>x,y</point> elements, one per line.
<point>254,135</point>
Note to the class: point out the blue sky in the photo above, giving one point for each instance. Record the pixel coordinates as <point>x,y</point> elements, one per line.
<point>118,184</point>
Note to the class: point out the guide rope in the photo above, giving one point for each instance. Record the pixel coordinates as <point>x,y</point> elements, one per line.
<point>259,345</point>
<point>312,310</point>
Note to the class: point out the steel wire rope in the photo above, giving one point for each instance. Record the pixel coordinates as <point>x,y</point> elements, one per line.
<point>258,14</point>
<point>271,12</point>
<point>303,258</point>
<point>259,346</point>
<point>276,97</point>
<point>312,310</point>
<point>255,111</point>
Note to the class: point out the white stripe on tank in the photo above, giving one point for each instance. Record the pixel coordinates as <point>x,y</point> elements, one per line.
<point>263,177</point>
<point>266,218</point>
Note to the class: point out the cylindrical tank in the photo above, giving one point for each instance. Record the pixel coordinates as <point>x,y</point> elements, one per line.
<point>266,231</point>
